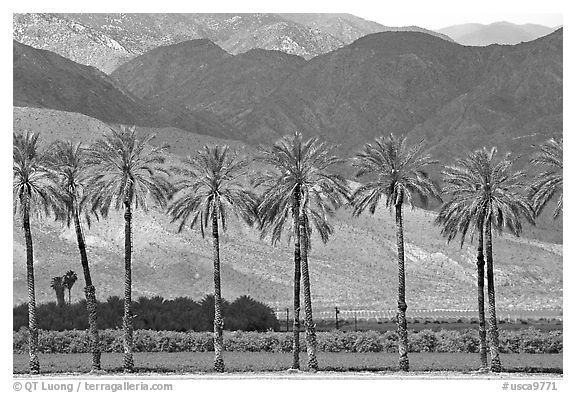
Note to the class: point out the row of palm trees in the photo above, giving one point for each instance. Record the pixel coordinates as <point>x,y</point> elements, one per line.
<point>298,194</point>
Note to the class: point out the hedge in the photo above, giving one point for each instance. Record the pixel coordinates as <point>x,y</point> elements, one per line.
<point>75,341</point>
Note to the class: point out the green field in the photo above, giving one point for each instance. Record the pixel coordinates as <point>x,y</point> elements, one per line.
<point>201,362</point>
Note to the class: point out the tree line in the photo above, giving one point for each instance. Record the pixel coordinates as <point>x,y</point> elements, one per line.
<point>156,313</point>
<point>295,192</point>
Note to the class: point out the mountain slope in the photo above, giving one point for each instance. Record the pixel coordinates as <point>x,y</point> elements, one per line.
<point>528,274</point>
<point>202,77</point>
<point>44,79</point>
<point>388,81</point>
<point>496,33</point>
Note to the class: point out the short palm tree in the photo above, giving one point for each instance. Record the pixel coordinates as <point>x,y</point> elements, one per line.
<point>69,160</point>
<point>549,183</point>
<point>487,194</point>
<point>397,172</point>
<point>35,194</point>
<point>128,173</point>
<point>70,279</point>
<point>209,190</point>
<point>300,192</point>
<point>58,286</point>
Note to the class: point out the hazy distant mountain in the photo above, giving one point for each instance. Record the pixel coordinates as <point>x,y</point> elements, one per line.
<point>496,33</point>
<point>349,28</point>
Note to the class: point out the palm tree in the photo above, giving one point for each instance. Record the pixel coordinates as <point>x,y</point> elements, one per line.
<point>34,194</point>
<point>70,162</point>
<point>209,190</point>
<point>58,286</point>
<point>487,194</point>
<point>127,173</point>
<point>456,217</point>
<point>548,183</point>
<point>69,280</point>
<point>299,186</point>
<point>397,172</point>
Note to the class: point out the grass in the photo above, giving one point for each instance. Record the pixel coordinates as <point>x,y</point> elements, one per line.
<point>201,362</point>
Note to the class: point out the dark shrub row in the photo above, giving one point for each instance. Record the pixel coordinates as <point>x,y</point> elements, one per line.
<point>180,314</point>
<point>75,341</point>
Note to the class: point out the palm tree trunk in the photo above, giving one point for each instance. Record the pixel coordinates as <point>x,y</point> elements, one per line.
<point>60,296</point>
<point>403,362</point>
<point>128,323</point>
<point>90,293</point>
<point>218,321</point>
<point>297,261</point>
<point>309,322</point>
<point>495,364</point>
<point>481,317</point>
<point>32,326</point>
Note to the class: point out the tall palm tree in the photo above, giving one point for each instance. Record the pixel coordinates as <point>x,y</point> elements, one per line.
<point>70,162</point>
<point>34,195</point>
<point>397,172</point>
<point>128,173</point>
<point>58,286</point>
<point>209,190</point>
<point>299,186</point>
<point>456,217</point>
<point>70,279</point>
<point>548,183</point>
<point>488,195</point>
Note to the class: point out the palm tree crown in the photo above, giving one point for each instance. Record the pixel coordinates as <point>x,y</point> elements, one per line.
<point>548,183</point>
<point>127,170</point>
<point>299,168</point>
<point>210,183</point>
<point>399,174</point>
<point>483,189</point>
<point>69,161</point>
<point>34,184</point>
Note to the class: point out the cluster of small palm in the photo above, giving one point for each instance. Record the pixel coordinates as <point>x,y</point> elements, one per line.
<point>295,192</point>
<point>60,283</point>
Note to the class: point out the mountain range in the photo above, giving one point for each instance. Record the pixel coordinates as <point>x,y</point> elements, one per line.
<point>106,41</point>
<point>190,92</point>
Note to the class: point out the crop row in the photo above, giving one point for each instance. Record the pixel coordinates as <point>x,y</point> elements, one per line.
<point>76,341</point>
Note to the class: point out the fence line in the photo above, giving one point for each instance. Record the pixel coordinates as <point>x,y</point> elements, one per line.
<point>419,313</point>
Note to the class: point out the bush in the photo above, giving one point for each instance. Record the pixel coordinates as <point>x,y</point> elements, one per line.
<point>76,341</point>
<point>155,313</point>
